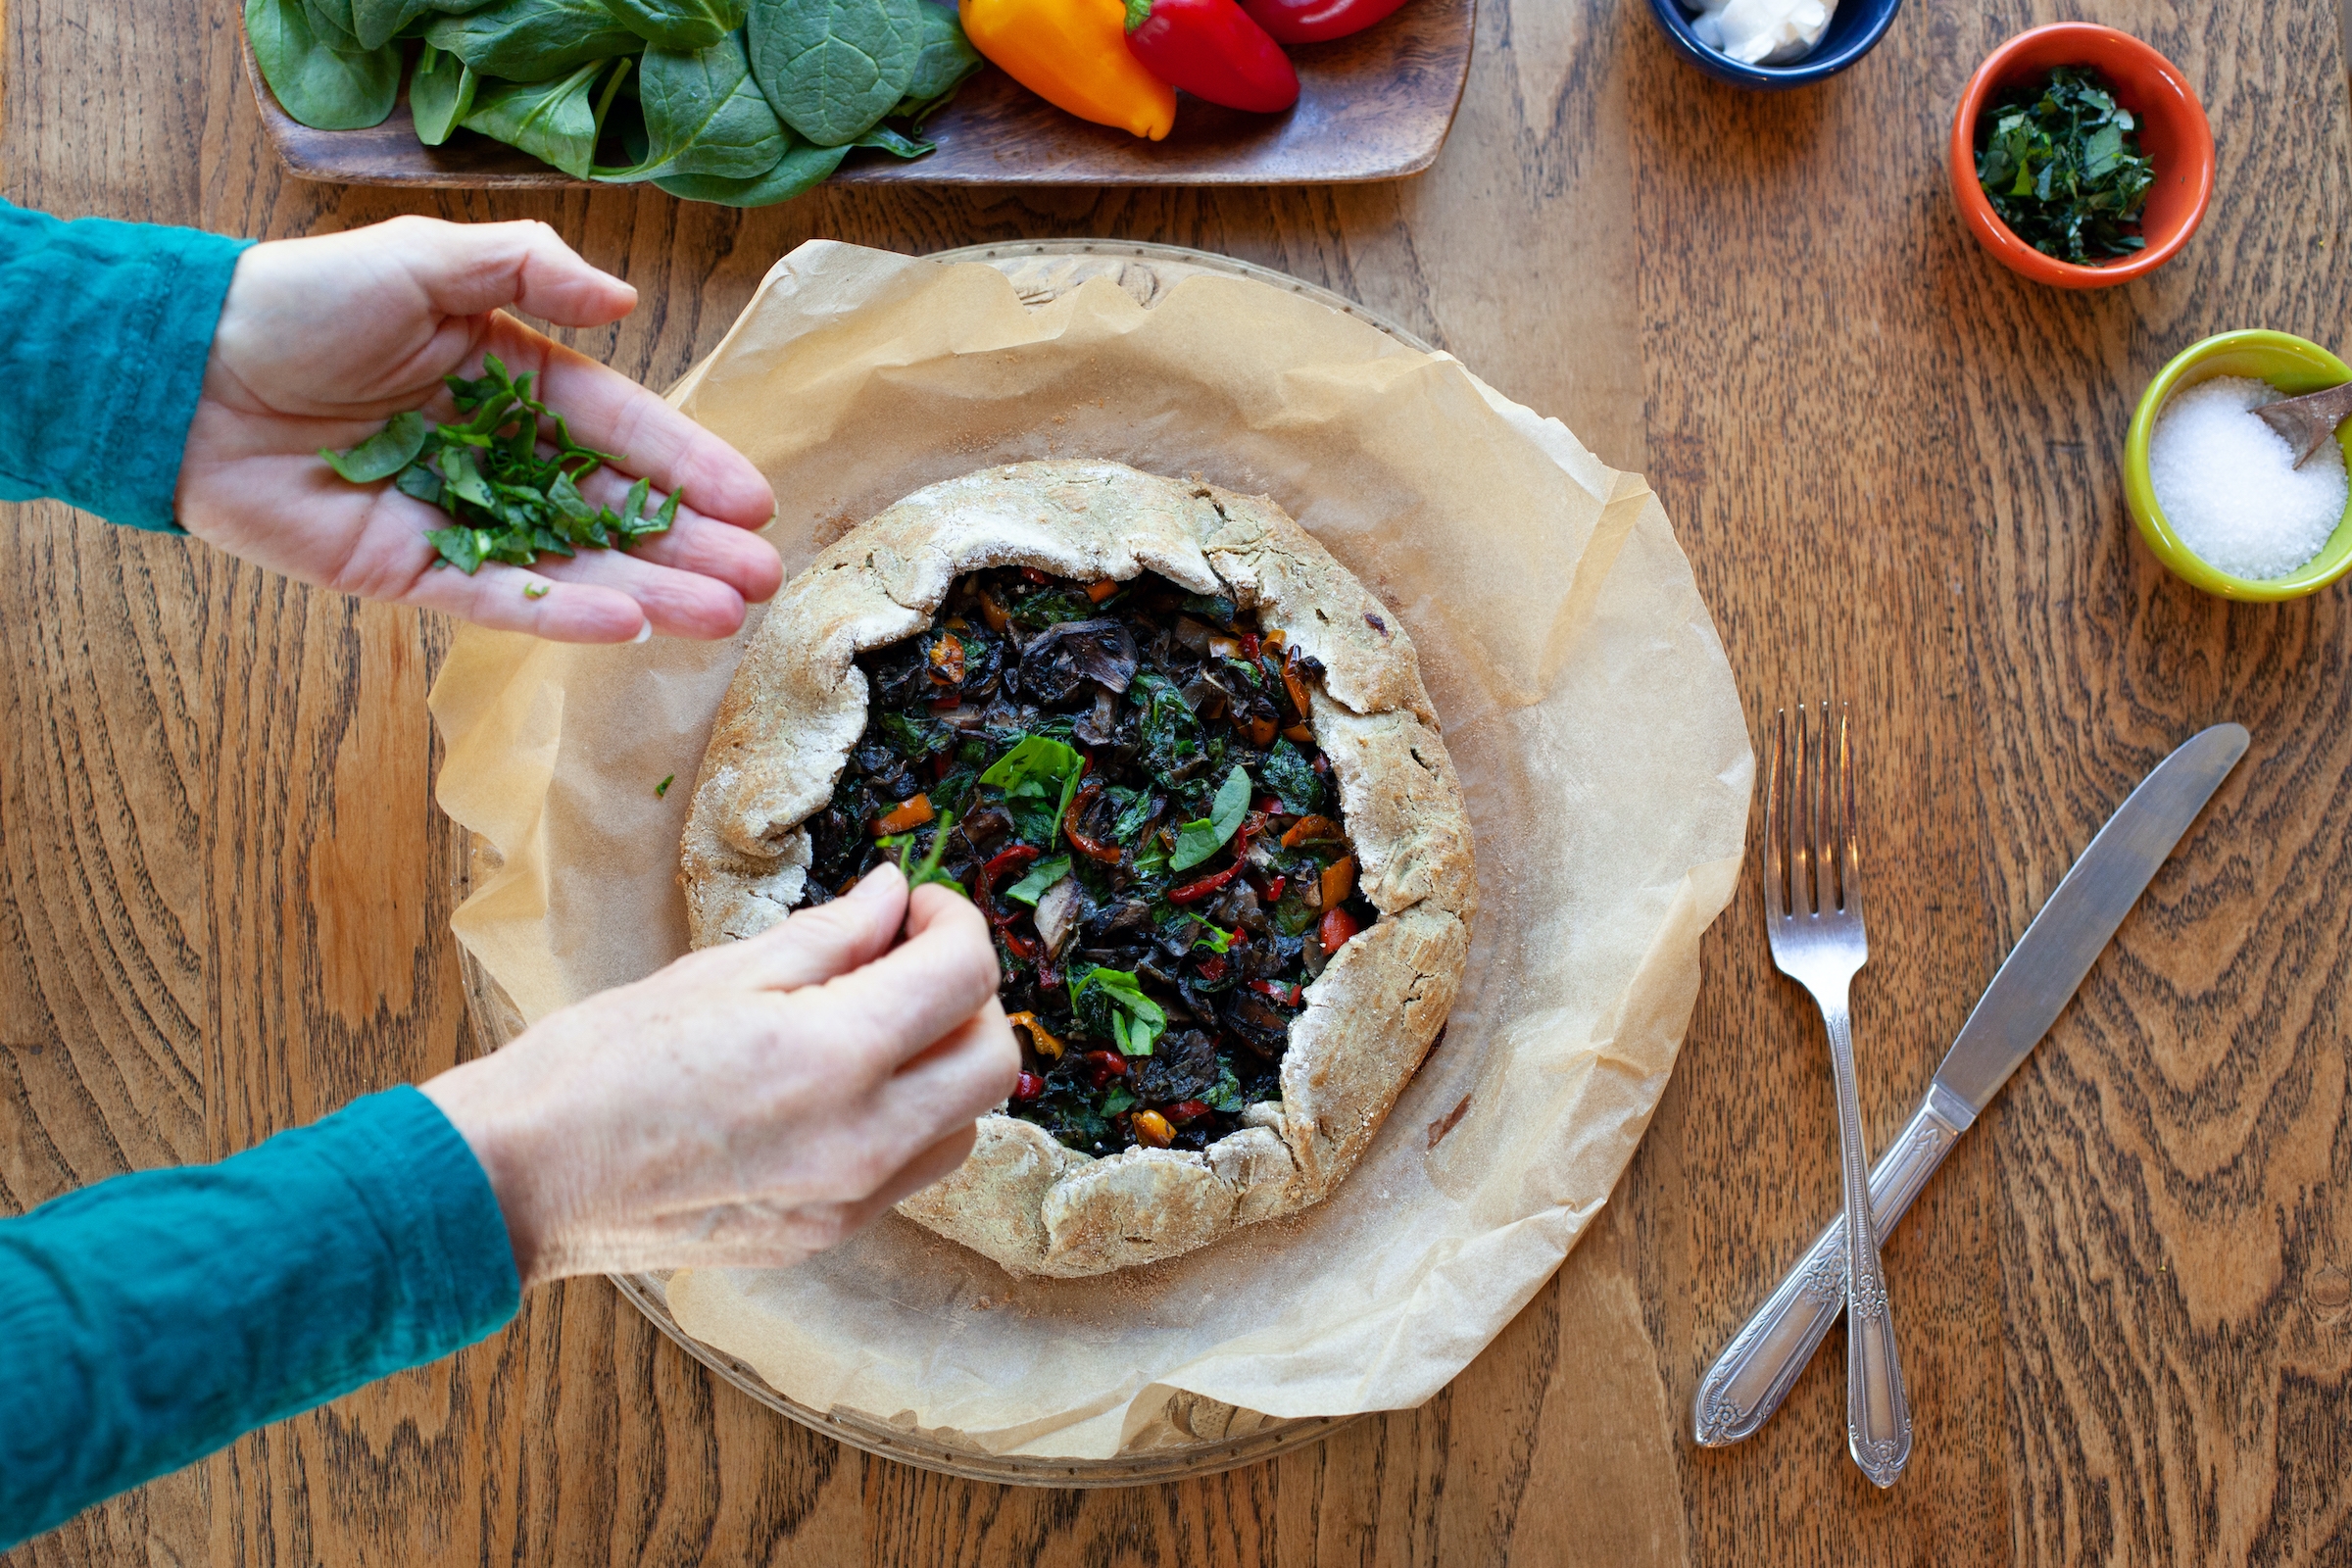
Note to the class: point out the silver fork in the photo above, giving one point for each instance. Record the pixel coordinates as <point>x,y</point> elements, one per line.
<point>1813,912</point>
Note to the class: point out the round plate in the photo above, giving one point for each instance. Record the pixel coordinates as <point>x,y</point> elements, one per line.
<point>1200,1436</point>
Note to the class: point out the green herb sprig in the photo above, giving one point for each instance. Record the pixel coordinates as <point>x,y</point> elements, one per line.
<point>507,503</point>
<point>2061,165</point>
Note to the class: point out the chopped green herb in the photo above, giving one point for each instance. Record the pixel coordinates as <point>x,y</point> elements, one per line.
<point>1197,841</point>
<point>926,871</point>
<point>1134,1020</point>
<point>509,504</point>
<point>2061,165</point>
<point>1036,771</point>
<point>1212,938</point>
<point>534,590</point>
<point>662,789</point>
<point>1043,875</point>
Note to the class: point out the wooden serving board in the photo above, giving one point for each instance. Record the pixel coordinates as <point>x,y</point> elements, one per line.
<point>1375,106</point>
<point>1197,1435</point>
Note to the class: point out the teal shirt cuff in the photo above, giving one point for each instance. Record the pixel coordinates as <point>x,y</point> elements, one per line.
<point>104,337</point>
<point>150,1319</point>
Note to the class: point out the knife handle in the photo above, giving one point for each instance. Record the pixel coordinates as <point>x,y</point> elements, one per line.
<point>1750,1379</point>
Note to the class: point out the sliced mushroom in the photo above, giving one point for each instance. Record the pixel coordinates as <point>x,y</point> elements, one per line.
<point>1057,907</point>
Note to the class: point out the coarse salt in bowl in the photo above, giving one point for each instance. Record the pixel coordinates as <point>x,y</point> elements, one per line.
<point>2220,505</point>
<point>2228,484</point>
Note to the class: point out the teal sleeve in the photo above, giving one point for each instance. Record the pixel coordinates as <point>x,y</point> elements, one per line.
<point>149,1320</point>
<point>104,333</point>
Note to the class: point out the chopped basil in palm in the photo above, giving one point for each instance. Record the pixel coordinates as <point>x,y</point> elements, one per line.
<point>507,502</point>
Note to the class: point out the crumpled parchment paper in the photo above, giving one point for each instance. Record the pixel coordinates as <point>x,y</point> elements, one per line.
<point>1584,695</point>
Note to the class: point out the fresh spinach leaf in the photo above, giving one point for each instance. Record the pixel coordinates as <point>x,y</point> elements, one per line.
<point>331,25</point>
<point>1292,780</point>
<point>441,91</point>
<point>377,22</point>
<point>551,121</point>
<point>684,25</point>
<point>534,40</point>
<point>892,141</point>
<point>1038,770</point>
<point>1227,1096</point>
<point>704,114</point>
<point>1197,841</point>
<point>319,86</point>
<point>1168,729</point>
<point>1043,875</point>
<point>801,169</point>
<point>1110,1001</point>
<point>928,869</point>
<point>942,60</point>
<point>833,67</point>
<point>383,454</point>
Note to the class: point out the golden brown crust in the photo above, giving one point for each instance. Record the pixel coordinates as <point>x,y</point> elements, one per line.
<point>798,705</point>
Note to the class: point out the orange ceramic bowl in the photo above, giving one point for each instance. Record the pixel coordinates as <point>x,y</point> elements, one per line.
<point>2172,134</point>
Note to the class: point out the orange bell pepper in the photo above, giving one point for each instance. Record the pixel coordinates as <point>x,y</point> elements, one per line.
<point>1074,54</point>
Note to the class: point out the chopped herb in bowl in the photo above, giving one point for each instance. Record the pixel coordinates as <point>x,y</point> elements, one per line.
<point>2061,166</point>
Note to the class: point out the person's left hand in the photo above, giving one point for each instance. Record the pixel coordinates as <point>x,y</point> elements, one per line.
<point>321,340</point>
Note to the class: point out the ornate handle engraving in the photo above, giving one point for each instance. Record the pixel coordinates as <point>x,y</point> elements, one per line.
<point>1750,1379</point>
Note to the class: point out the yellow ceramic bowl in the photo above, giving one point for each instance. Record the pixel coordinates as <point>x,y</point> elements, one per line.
<point>2292,364</point>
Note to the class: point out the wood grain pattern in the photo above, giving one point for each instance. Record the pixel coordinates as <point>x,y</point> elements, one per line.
<point>2125,1304</point>
<point>1372,106</point>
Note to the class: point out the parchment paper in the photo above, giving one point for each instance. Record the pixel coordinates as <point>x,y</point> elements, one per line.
<point>1584,695</point>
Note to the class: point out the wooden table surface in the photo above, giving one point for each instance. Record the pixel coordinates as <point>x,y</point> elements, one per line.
<point>2122,1304</point>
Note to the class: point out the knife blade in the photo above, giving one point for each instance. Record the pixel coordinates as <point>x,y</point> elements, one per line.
<point>2033,986</point>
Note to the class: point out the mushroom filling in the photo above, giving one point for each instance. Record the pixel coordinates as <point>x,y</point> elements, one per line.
<point>1124,778</point>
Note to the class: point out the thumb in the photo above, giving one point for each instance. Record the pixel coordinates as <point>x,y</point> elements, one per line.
<point>472,268</point>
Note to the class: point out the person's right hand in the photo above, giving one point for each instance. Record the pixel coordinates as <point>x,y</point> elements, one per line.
<point>751,1103</point>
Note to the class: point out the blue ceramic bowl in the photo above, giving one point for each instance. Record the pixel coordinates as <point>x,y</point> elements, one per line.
<point>1854,31</point>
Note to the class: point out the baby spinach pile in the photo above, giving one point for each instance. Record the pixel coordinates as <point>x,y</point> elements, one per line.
<point>740,102</point>
<point>2061,165</point>
<point>506,500</point>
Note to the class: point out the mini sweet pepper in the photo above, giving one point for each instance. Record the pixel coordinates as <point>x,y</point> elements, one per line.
<point>1212,50</point>
<point>1074,54</point>
<point>1318,21</point>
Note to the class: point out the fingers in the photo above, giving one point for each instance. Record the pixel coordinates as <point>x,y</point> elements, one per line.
<point>935,1163</point>
<point>502,598</point>
<point>675,603</point>
<point>472,268</point>
<point>812,946</point>
<point>696,542</point>
<point>607,411</point>
<point>946,971</point>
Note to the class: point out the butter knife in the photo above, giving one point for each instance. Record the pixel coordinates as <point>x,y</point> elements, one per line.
<point>2031,987</point>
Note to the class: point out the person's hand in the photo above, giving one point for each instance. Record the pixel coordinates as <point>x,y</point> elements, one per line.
<point>321,340</point>
<point>753,1103</point>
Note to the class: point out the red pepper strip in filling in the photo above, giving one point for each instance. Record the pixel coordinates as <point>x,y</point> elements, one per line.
<point>1288,996</point>
<point>1202,888</point>
<point>984,895</point>
<point>1028,1086</point>
<point>1104,1065</point>
<point>1334,930</point>
<point>1091,849</point>
<point>1186,1110</point>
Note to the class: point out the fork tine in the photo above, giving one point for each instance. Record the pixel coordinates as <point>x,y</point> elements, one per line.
<point>1800,811</point>
<point>1775,784</point>
<point>1823,804</point>
<point>1849,834</point>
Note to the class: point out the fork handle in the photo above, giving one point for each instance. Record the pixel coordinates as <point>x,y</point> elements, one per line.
<point>1757,1369</point>
<point>1878,1411</point>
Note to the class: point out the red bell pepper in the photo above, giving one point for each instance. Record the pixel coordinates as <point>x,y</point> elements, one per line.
<point>1212,50</point>
<point>1314,20</point>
